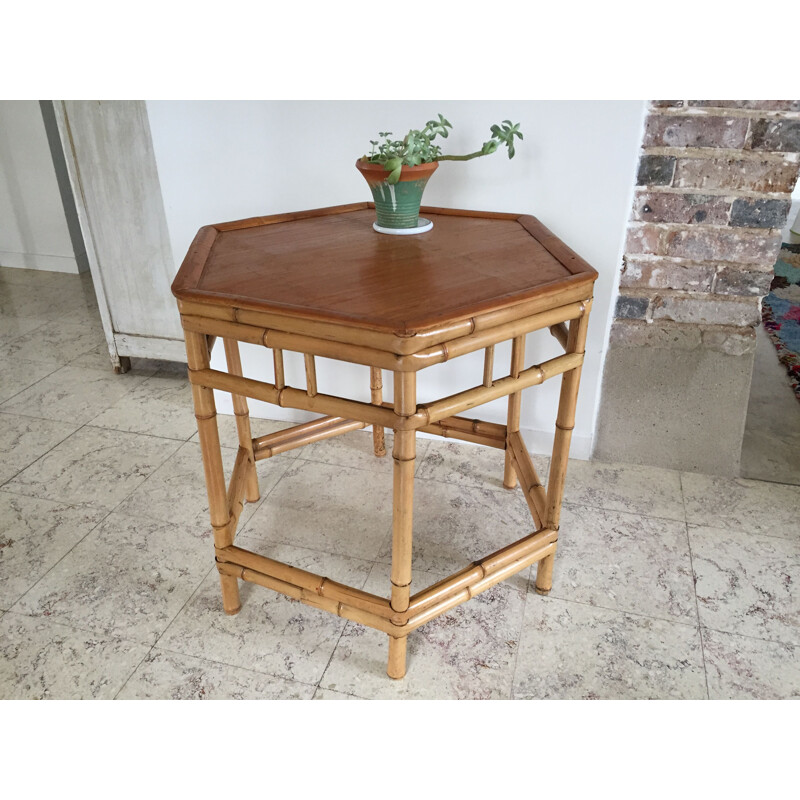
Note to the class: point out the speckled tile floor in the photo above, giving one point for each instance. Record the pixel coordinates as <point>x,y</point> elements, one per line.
<point>666,584</point>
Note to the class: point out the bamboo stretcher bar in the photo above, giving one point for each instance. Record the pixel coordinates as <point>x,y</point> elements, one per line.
<point>448,406</point>
<point>479,570</point>
<point>531,485</point>
<point>376,612</point>
<point>479,586</point>
<point>300,435</point>
<point>308,597</point>
<point>396,631</point>
<point>317,584</point>
<point>215,379</point>
<point>289,397</point>
<point>487,433</point>
<point>349,409</point>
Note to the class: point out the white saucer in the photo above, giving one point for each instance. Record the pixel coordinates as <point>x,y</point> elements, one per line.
<point>424,225</point>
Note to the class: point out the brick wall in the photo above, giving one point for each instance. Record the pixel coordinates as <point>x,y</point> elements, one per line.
<point>713,192</point>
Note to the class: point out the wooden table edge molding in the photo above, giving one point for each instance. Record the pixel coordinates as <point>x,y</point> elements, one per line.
<point>558,299</point>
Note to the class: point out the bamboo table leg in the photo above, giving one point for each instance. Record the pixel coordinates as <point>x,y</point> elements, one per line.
<point>404,455</point>
<point>376,392</point>
<point>514,406</point>
<point>242,413</point>
<point>565,422</point>
<point>208,432</point>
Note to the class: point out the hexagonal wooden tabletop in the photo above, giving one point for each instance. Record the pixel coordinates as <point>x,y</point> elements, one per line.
<point>329,264</point>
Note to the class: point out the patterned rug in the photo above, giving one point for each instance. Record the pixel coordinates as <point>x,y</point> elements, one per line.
<point>781,312</point>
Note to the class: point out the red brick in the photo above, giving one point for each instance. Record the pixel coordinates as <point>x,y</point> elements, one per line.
<point>762,105</point>
<point>732,281</point>
<point>686,208</point>
<point>718,244</point>
<point>643,239</point>
<point>701,131</point>
<point>728,173</point>
<point>780,135</point>
<point>663,274</point>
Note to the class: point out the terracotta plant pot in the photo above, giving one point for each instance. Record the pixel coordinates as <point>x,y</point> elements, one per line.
<point>397,206</point>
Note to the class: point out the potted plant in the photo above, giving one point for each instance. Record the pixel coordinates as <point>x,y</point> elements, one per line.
<point>398,169</point>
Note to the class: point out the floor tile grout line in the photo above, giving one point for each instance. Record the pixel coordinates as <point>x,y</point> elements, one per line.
<point>27,333</point>
<point>145,379</point>
<point>742,531</point>
<point>39,458</point>
<point>166,628</point>
<point>671,620</point>
<point>42,455</point>
<point>133,672</point>
<point>4,486</point>
<point>337,691</point>
<point>82,505</point>
<point>330,658</point>
<point>66,623</point>
<point>521,632</point>
<point>752,638</point>
<point>137,433</point>
<point>88,422</point>
<point>697,606</point>
<point>30,386</point>
<point>258,672</point>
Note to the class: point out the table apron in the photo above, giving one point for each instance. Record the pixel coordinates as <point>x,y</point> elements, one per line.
<point>373,357</point>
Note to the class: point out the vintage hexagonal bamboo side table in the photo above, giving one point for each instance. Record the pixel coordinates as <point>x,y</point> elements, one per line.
<point>324,283</point>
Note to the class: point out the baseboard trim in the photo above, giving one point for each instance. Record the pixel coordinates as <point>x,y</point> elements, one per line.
<point>39,262</point>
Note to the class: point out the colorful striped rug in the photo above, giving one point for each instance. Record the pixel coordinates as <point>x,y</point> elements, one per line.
<point>781,312</point>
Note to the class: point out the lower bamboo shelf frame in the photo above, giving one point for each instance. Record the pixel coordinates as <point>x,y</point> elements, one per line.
<point>402,612</point>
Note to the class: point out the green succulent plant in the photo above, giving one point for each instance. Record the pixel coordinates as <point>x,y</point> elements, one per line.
<point>417,146</point>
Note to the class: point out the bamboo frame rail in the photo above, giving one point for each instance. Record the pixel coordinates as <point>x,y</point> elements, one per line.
<point>300,435</point>
<point>479,337</point>
<point>555,294</point>
<point>532,488</point>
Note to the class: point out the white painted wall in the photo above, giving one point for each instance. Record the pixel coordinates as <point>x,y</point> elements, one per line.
<point>33,226</point>
<point>221,161</point>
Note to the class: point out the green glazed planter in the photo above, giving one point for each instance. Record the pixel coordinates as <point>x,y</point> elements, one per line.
<point>397,206</point>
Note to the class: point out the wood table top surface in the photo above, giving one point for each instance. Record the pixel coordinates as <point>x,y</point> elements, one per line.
<point>329,264</point>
